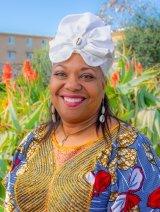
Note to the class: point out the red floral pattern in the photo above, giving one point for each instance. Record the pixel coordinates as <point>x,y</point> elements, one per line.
<point>102,181</point>
<point>154,199</point>
<point>15,163</point>
<point>131,201</point>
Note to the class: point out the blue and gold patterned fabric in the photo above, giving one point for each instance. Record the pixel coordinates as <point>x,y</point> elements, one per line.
<point>119,175</point>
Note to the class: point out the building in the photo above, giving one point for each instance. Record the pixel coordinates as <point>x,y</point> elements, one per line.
<point>118,35</point>
<point>15,48</point>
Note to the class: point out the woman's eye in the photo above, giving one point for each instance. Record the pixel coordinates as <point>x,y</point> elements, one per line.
<point>87,76</point>
<point>60,74</point>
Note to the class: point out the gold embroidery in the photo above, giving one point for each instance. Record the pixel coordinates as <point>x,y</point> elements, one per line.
<point>39,132</point>
<point>126,158</point>
<point>113,196</point>
<point>127,136</point>
<point>104,156</point>
<point>135,209</point>
<point>43,187</point>
<point>112,170</point>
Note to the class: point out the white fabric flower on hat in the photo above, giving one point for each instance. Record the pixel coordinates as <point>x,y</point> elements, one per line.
<point>87,35</point>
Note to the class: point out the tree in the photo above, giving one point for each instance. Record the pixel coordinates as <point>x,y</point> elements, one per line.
<point>140,21</point>
<point>119,13</point>
<point>142,38</point>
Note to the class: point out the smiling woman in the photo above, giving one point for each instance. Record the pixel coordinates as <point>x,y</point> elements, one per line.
<point>84,158</point>
<point>76,88</point>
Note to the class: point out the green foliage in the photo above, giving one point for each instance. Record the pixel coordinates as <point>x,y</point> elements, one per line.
<point>136,98</point>
<point>142,39</point>
<point>42,64</point>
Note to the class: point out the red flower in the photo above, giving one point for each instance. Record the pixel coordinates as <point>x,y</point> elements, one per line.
<point>131,201</point>
<point>28,72</point>
<point>138,68</point>
<point>127,66</point>
<point>115,78</point>
<point>102,181</point>
<point>154,199</point>
<point>7,73</point>
<point>33,75</point>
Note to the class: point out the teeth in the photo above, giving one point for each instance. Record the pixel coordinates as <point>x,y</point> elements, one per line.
<point>67,99</point>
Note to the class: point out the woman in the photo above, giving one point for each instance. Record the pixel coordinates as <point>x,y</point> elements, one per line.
<point>85,159</point>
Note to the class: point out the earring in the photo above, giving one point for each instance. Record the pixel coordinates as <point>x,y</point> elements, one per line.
<point>53,114</point>
<point>102,117</point>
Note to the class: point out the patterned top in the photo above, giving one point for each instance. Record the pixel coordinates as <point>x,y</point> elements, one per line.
<point>122,174</point>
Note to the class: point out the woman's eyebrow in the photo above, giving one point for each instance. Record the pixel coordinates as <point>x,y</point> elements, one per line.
<point>57,65</point>
<point>91,68</point>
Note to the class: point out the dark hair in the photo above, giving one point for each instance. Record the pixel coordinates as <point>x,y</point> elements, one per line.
<point>51,126</point>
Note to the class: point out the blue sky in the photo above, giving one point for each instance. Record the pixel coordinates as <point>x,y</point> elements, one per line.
<point>40,16</point>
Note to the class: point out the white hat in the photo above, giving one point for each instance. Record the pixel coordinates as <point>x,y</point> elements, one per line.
<point>87,35</point>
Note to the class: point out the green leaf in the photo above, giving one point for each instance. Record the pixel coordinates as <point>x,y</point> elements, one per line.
<point>145,119</point>
<point>110,92</point>
<point>129,86</point>
<point>13,117</point>
<point>140,98</point>
<point>150,99</point>
<point>126,102</point>
<point>2,197</point>
<point>127,116</point>
<point>3,168</point>
<point>33,119</point>
<point>157,122</point>
<point>127,77</point>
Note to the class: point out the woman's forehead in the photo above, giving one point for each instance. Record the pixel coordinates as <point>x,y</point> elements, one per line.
<point>82,67</point>
<point>76,61</point>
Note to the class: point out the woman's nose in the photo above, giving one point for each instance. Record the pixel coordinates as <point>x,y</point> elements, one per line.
<point>73,84</point>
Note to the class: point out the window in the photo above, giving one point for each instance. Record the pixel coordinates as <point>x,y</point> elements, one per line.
<point>29,42</point>
<point>29,55</point>
<point>43,43</point>
<point>11,40</point>
<point>11,55</point>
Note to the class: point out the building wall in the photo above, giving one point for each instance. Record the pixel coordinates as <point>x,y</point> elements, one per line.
<point>117,36</point>
<point>15,48</point>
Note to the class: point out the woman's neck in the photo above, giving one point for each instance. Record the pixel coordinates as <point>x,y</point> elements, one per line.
<point>70,128</point>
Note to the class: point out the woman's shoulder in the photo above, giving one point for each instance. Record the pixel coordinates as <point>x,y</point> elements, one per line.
<point>132,143</point>
<point>27,145</point>
<point>25,150</point>
<point>130,136</point>
<point>34,135</point>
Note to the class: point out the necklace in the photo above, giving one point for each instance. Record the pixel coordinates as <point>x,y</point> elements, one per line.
<point>66,136</point>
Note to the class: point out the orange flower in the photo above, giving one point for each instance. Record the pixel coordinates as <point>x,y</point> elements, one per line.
<point>138,68</point>
<point>115,78</point>
<point>33,75</point>
<point>6,73</point>
<point>127,66</point>
<point>28,72</point>
<point>26,68</point>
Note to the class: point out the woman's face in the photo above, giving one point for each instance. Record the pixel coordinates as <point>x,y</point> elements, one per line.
<point>76,89</point>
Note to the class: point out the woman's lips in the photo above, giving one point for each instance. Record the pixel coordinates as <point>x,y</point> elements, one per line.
<point>73,101</point>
